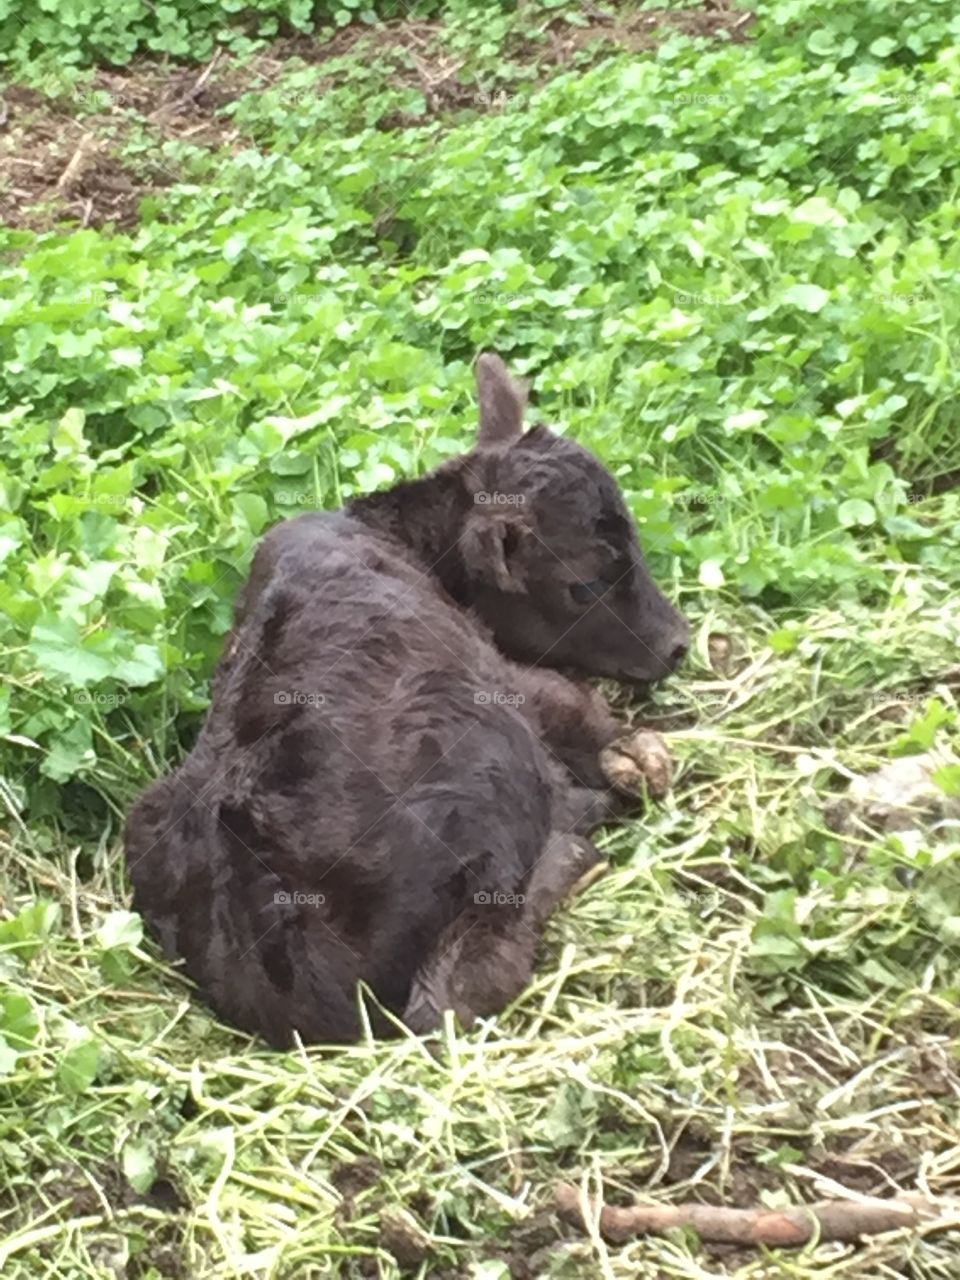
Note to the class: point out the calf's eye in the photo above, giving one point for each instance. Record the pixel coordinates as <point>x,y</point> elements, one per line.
<point>587,592</point>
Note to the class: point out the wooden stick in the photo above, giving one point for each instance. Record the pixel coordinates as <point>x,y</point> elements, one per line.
<point>169,108</point>
<point>78,164</point>
<point>835,1220</point>
<point>206,73</point>
<point>586,880</point>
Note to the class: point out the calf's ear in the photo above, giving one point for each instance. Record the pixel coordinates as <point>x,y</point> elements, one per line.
<point>502,401</point>
<point>490,547</point>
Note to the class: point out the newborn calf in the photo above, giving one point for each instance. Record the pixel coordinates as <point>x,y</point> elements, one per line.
<point>389,788</point>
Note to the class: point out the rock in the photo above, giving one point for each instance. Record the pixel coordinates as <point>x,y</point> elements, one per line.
<point>901,796</point>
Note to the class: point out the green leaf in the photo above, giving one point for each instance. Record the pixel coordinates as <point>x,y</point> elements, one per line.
<point>139,1165</point>
<point>26,932</point>
<point>808,297</point>
<point>252,510</point>
<point>70,751</point>
<point>62,653</point>
<point>143,666</point>
<point>78,1065</point>
<point>746,420</point>
<point>819,212</point>
<point>948,779</point>
<point>19,1023</point>
<point>855,511</point>
<point>882,47</point>
<point>566,1122</point>
<point>922,732</point>
<point>11,538</point>
<point>9,1057</point>
<point>127,357</point>
<point>822,42</point>
<point>68,439</point>
<point>121,929</point>
<point>711,575</point>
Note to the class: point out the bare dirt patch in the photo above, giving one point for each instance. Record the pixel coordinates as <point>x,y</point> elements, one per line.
<point>101,1193</point>
<point>66,161</point>
<point>59,166</point>
<point>53,169</point>
<point>61,158</point>
<point>640,32</point>
<point>422,61</point>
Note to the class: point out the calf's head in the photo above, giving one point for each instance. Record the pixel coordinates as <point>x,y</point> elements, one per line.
<point>550,552</point>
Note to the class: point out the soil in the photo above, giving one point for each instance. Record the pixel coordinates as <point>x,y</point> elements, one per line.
<point>103,1192</point>
<point>644,31</point>
<point>63,165</point>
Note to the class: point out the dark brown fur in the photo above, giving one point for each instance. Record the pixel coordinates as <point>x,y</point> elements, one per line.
<point>383,775</point>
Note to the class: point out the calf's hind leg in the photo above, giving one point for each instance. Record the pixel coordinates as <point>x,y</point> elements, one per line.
<point>485,958</point>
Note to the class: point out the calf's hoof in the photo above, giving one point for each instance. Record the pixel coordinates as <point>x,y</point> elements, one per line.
<point>638,764</point>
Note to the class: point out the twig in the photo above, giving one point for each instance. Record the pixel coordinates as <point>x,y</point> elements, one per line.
<point>431,82</point>
<point>836,1220</point>
<point>587,879</point>
<point>193,92</point>
<point>206,73</point>
<point>78,163</point>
